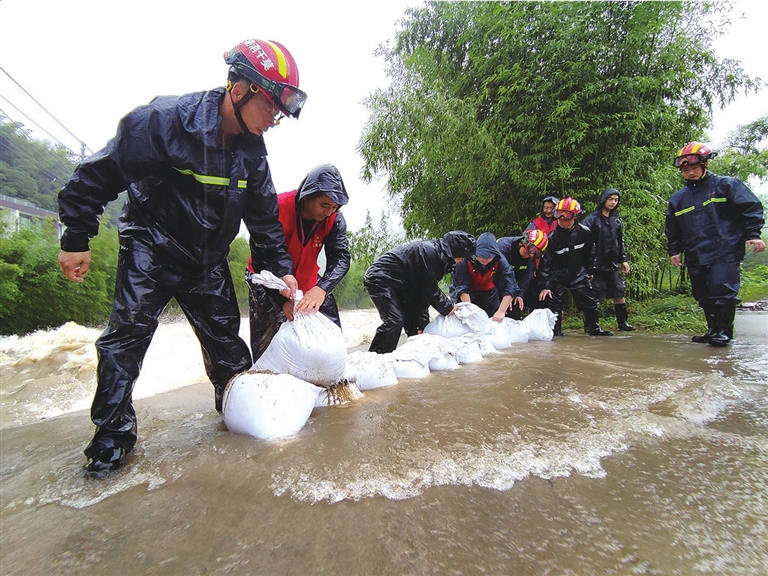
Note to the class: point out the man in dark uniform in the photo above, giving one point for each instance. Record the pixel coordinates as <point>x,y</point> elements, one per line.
<point>403,283</point>
<point>712,220</point>
<point>565,266</point>
<point>610,258</point>
<point>522,253</point>
<point>195,167</point>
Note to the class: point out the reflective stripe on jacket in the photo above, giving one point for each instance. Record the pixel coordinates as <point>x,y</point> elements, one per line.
<point>186,193</point>
<point>711,219</point>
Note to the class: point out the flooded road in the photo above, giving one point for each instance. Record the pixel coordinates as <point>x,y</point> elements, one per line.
<point>627,455</point>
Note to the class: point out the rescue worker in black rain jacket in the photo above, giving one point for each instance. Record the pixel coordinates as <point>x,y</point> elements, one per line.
<point>565,266</point>
<point>712,220</point>
<point>486,279</point>
<point>194,167</point>
<point>522,253</point>
<point>403,283</point>
<point>312,222</point>
<point>610,256</point>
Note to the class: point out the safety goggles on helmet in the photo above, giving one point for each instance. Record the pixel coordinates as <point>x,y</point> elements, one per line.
<point>567,214</point>
<point>692,154</point>
<point>288,98</point>
<point>690,159</point>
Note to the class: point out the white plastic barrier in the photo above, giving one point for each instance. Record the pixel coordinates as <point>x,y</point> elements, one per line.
<point>267,405</point>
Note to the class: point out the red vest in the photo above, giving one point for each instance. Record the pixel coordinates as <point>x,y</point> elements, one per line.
<point>305,267</point>
<point>545,226</point>
<point>481,282</point>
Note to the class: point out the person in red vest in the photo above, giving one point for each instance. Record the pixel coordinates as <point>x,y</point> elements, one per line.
<point>546,222</point>
<point>311,223</point>
<point>486,279</point>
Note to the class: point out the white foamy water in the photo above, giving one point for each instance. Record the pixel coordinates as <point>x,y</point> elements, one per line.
<point>52,372</point>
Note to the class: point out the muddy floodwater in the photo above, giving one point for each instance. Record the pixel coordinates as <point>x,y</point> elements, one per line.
<point>634,454</point>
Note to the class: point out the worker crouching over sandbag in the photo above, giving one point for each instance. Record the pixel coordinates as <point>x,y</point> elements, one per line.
<point>266,405</point>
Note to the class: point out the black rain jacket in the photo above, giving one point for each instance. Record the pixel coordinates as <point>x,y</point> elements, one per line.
<point>609,251</point>
<point>187,194</point>
<point>522,268</point>
<point>414,269</point>
<point>711,219</point>
<point>568,256</point>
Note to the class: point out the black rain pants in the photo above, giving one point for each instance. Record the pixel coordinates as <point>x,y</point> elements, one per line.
<point>146,282</point>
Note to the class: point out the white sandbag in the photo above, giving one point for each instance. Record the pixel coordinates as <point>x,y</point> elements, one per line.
<point>440,352</point>
<point>485,345</point>
<point>467,318</point>
<point>311,348</point>
<point>497,334</point>
<point>267,405</point>
<point>541,324</point>
<point>339,394</point>
<point>467,349</point>
<point>518,331</point>
<point>370,370</point>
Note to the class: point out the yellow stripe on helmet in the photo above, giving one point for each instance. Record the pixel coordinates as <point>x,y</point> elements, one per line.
<point>282,63</point>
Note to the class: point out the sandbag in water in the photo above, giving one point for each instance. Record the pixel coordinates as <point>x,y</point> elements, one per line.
<point>442,353</point>
<point>467,318</point>
<point>311,348</point>
<point>370,370</point>
<point>338,394</point>
<point>541,324</point>
<point>267,405</point>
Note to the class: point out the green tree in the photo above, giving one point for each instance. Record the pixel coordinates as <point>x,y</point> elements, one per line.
<point>42,297</point>
<point>493,105</point>
<point>365,245</point>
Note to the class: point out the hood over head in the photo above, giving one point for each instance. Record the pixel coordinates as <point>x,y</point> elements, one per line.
<point>324,178</point>
<point>604,196</point>
<point>553,199</point>
<point>486,246</point>
<point>459,244</point>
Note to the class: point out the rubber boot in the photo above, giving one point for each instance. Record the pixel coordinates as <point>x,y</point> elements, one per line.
<point>558,329</point>
<point>709,314</point>
<point>591,326</point>
<point>621,318</point>
<point>724,315</point>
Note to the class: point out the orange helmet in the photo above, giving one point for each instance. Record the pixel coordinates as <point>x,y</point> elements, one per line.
<point>692,154</point>
<point>568,205</point>
<point>537,238</point>
<point>270,66</point>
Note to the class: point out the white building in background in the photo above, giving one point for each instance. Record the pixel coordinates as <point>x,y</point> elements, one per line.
<point>21,213</point>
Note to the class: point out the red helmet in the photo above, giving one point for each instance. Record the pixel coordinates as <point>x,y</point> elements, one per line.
<point>537,238</point>
<point>270,66</point>
<point>692,154</point>
<point>568,205</point>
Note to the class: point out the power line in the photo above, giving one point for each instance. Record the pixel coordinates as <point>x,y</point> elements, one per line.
<point>33,122</point>
<point>82,144</point>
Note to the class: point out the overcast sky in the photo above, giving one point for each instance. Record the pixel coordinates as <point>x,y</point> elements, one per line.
<point>88,62</point>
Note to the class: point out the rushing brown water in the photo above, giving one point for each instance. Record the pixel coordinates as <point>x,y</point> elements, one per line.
<point>627,455</point>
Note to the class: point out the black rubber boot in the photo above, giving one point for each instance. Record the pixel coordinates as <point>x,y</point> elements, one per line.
<point>723,316</point>
<point>106,462</point>
<point>621,318</point>
<point>711,327</point>
<point>591,326</point>
<point>558,329</point>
